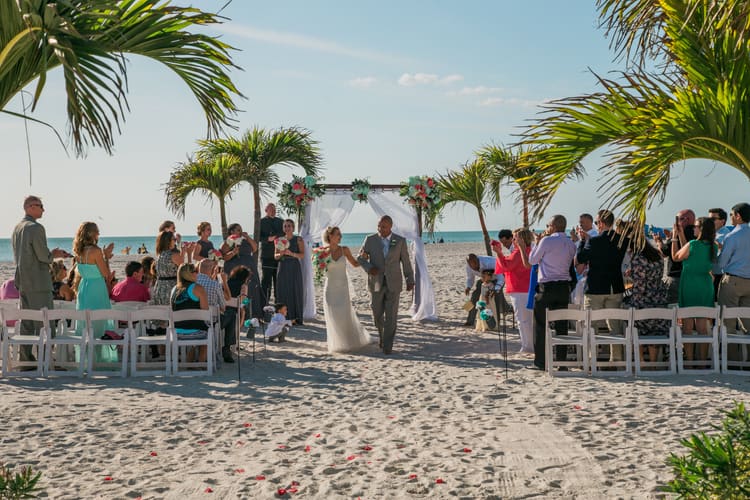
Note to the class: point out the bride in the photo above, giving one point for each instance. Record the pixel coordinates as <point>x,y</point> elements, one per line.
<point>344,332</point>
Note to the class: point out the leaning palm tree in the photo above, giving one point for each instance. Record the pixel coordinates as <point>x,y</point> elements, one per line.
<point>260,151</point>
<point>471,185</point>
<point>515,165</point>
<point>696,107</point>
<point>89,40</point>
<point>216,177</point>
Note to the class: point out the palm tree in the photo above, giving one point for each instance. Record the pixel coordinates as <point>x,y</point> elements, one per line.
<point>471,185</point>
<point>216,176</point>
<point>90,39</point>
<point>259,151</point>
<point>696,107</point>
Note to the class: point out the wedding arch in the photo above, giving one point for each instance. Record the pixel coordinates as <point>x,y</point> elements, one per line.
<point>334,206</point>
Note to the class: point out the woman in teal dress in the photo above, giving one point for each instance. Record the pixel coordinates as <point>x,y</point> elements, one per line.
<point>696,282</point>
<point>93,290</point>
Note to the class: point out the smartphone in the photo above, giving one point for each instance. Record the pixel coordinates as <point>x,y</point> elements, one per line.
<point>677,219</point>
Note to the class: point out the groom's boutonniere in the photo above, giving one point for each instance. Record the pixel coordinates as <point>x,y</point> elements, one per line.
<point>393,242</point>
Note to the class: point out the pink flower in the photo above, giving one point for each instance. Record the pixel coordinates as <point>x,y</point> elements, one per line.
<point>297,186</point>
<point>430,182</point>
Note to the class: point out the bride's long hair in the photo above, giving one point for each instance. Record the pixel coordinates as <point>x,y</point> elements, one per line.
<point>328,232</point>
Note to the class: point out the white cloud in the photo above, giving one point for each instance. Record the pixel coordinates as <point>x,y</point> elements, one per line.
<point>412,80</point>
<point>306,42</point>
<point>480,90</point>
<point>362,82</point>
<point>499,101</point>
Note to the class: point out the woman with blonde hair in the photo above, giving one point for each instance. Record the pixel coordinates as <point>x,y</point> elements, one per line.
<point>92,264</point>
<point>60,288</point>
<point>517,278</point>
<point>187,294</point>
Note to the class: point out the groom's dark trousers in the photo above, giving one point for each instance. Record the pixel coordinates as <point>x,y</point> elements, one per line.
<point>384,313</point>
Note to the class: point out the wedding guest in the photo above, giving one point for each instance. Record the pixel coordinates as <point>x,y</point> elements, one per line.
<point>131,289</point>
<point>187,294</point>
<point>517,277</point>
<point>685,220</point>
<point>649,290</point>
<point>92,263</point>
<point>60,288</point>
<point>149,273</point>
<point>279,325</point>
<point>271,227</point>
<point>554,254</point>
<point>32,258</point>
<point>604,282</point>
<point>168,259</point>
<point>487,296</point>
<point>203,245</point>
<point>8,291</point>
<point>289,279</point>
<point>696,285</point>
<point>217,292</point>
<point>244,252</point>
<point>734,260</point>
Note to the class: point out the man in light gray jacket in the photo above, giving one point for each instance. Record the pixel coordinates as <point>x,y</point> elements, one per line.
<point>32,258</point>
<point>384,256</point>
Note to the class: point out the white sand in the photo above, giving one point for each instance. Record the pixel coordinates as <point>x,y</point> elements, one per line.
<point>303,415</point>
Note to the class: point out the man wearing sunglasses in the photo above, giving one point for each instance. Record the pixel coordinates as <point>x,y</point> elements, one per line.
<point>33,259</point>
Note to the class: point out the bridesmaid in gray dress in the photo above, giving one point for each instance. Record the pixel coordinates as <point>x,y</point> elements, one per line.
<point>289,277</point>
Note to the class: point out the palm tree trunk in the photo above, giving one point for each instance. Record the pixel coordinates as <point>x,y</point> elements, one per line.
<point>484,232</point>
<point>223,219</point>
<point>525,201</point>
<point>256,213</point>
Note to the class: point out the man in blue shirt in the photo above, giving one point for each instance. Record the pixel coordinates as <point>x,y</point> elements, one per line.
<point>734,260</point>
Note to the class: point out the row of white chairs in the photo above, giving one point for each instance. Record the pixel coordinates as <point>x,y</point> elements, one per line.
<point>63,347</point>
<point>586,341</point>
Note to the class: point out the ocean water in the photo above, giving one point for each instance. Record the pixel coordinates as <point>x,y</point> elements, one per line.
<point>134,242</point>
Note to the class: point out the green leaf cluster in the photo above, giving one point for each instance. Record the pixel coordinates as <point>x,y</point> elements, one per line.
<point>716,466</point>
<point>18,485</point>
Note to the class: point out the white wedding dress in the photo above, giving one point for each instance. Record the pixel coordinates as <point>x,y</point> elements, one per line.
<point>343,329</point>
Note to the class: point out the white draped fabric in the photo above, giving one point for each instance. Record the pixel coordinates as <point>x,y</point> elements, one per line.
<point>333,208</point>
<point>405,223</point>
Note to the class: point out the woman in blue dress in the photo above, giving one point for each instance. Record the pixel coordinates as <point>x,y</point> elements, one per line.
<point>92,264</point>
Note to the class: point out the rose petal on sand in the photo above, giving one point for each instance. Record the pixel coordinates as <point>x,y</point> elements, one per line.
<point>367,447</point>
<point>317,435</point>
<point>439,481</point>
<point>295,483</point>
<point>351,457</point>
<point>240,443</point>
<point>307,449</point>
<point>202,442</point>
<point>281,447</point>
<point>467,450</point>
<point>208,490</point>
<point>247,424</point>
<point>578,407</point>
<point>108,478</point>
<point>292,490</point>
<point>412,476</point>
<point>281,492</point>
<point>260,478</point>
<point>391,417</point>
<point>239,471</point>
<point>153,454</point>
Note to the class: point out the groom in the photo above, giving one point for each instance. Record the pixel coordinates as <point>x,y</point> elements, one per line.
<point>383,255</point>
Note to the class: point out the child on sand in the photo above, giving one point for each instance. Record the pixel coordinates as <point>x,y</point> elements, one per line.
<point>279,325</point>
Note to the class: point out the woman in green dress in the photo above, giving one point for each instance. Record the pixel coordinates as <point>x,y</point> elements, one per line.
<point>92,264</point>
<point>696,281</point>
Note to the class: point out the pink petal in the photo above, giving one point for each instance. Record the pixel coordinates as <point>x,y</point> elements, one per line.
<point>391,417</point>
<point>108,478</point>
<point>281,492</point>
<point>467,450</point>
<point>367,447</point>
<point>295,483</point>
<point>307,449</point>
<point>282,446</point>
<point>208,490</point>
<point>351,457</point>
<point>439,481</point>
<point>577,407</point>
<point>412,476</point>
<point>317,435</point>
<point>240,443</point>
<point>247,424</point>
<point>153,454</point>
<point>239,471</point>
<point>260,478</point>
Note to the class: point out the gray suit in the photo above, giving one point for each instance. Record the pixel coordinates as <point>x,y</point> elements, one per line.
<point>385,287</point>
<point>33,278</point>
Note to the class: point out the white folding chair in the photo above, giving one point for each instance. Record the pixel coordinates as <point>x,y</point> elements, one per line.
<point>614,368</point>
<point>687,338</point>
<point>218,333</point>
<point>655,366</point>
<point>735,336</point>
<point>578,338</point>
<point>121,326</point>
<point>65,345</point>
<point>141,342</point>
<point>181,367</point>
<point>64,304</point>
<point>13,342</point>
<point>128,305</point>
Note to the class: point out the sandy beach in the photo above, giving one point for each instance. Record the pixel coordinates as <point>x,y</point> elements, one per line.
<point>440,418</point>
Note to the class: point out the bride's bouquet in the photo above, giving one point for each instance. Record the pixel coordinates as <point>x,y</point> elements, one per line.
<point>281,244</point>
<point>234,240</point>
<point>321,257</point>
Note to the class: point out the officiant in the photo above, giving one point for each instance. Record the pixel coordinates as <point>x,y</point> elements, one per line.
<point>271,227</point>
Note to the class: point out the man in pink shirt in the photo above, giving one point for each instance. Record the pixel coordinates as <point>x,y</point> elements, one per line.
<point>131,289</point>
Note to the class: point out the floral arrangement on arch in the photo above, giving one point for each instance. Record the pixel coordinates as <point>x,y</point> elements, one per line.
<point>299,192</point>
<point>321,258</point>
<point>421,191</point>
<point>360,190</point>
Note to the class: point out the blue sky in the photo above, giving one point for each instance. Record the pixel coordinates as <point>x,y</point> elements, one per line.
<point>390,89</point>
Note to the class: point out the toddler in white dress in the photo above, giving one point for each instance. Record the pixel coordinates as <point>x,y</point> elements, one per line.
<point>279,325</point>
